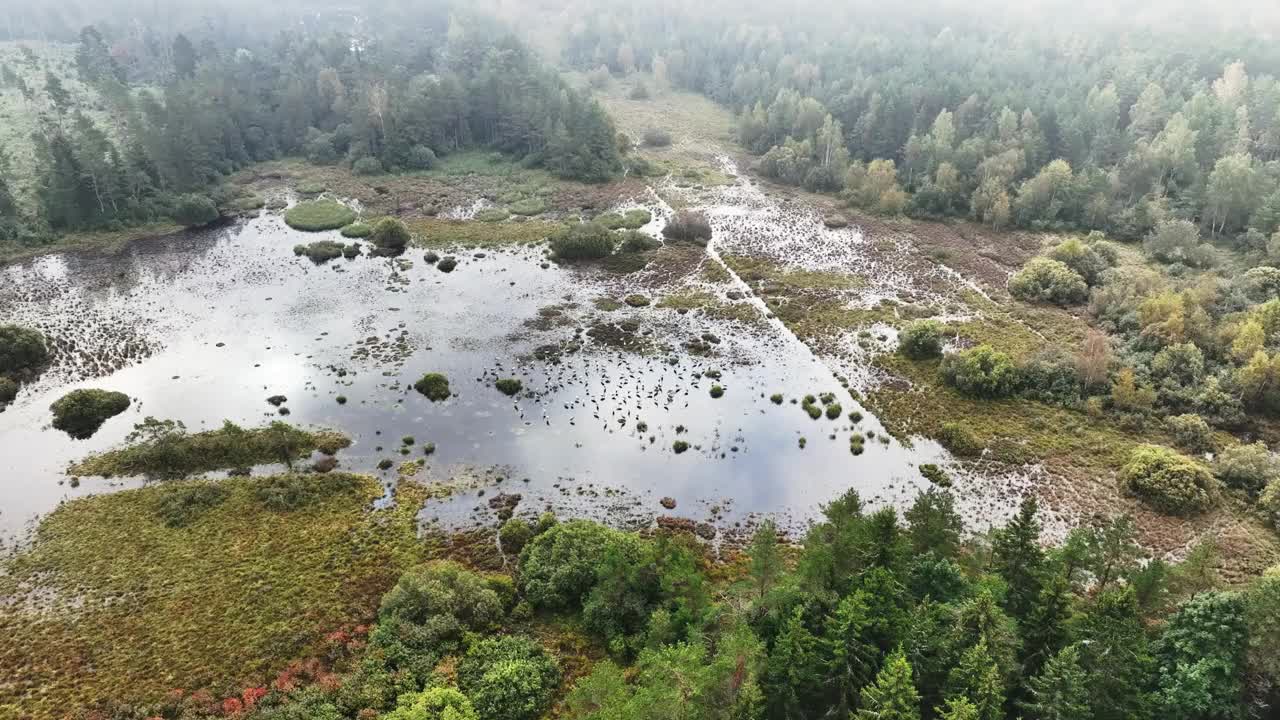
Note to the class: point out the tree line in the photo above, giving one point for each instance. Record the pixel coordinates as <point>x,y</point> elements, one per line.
<point>391,97</point>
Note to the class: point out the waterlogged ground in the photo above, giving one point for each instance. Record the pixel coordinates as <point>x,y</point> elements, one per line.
<point>204,327</point>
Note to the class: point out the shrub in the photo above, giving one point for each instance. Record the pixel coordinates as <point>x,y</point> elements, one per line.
<point>1191,433</point>
<point>22,350</point>
<point>921,339</point>
<point>433,385</point>
<point>637,242</point>
<point>935,475</point>
<point>631,220</point>
<point>1082,258</point>
<point>367,166</point>
<point>286,493</point>
<point>357,230</point>
<point>80,413</point>
<point>1046,280</point>
<point>434,703</point>
<point>1247,467</point>
<point>637,300</point>
<point>834,411</point>
<point>776,398</point>
<point>1168,481</point>
<point>640,92</point>
<point>493,215</point>
<point>444,595</point>
<point>980,371</point>
<point>689,226</point>
<point>584,241</point>
<point>1175,241</point>
<point>717,391</point>
<point>194,210</point>
<point>390,234</point>
<point>1269,504</point>
<point>959,439</point>
<point>509,386</point>
<point>8,390</point>
<point>508,678</point>
<point>421,157</point>
<point>655,137</point>
<point>530,206</point>
<point>558,568</point>
<point>181,504</point>
<point>514,535</point>
<point>319,215</point>
<point>321,251</point>
<point>447,264</point>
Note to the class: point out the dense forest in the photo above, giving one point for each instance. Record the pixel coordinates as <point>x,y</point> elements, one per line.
<point>1108,126</point>
<point>185,113</point>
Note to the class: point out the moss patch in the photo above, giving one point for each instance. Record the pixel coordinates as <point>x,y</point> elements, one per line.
<point>319,215</point>
<point>224,602</point>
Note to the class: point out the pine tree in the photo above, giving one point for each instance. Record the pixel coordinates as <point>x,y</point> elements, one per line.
<point>1018,558</point>
<point>893,696</point>
<point>850,656</point>
<point>1060,691</point>
<point>978,679</point>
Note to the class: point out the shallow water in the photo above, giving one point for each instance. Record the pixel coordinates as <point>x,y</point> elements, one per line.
<point>206,326</point>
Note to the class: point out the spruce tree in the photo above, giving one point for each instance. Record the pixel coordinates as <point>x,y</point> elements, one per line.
<point>850,655</point>
<point>1060,690</point>
<point>1018,558</point>
<point>978,679</point>
<point>893,695</point>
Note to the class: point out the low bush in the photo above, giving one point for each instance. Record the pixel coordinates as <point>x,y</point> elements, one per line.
<point>935,475</point>
<point>689,226</point>
<point>529,206</point>
<point>321,251</point>
<point>434,703</point>
<point>1191,433</point>
<point>194,210</point>
<point>981,371</point>
<point>390,234</point>
<point>447,264</point>
<point>367,166</point>
<point>639,92</point>
<point>655,137</point>
<point>1269,504</point>
<point>960,440</point>
<point>631,220</point>
<point>319,215</point>
<point>1168,481</point>
<point>181,504</point>
<point>558,567</point>
<point>1249,467</point>
<point>22,350</point>
<point>80,413</point>
<point>584,241</point>
<point>717,391</point>
<point>921,340</point>
<point>286,493</point>
<point>637,242</point>
<point>435,386</point>
<point>514,535</point>
<point>357,230</point>
<point>509,386</point>
<point>508,678</point>
<point>493,215</point>
<point>1047,280</point>
<point>8,390</point>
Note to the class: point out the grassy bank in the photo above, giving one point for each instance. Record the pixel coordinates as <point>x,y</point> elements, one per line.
<point>111,601</point>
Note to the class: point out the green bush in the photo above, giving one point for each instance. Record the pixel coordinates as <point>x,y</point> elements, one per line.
<point>181,504</point>
<point>8,390</point>
<point>1269,504</point>
<point>1082,258</point>
<point>1249,467</point>
<point>717,391</point>
<point>421,157</point>
<point>981,371</point>
<point>286,493</point>
<point>390,234</point>
<point>508,678</point>
<point>80,413</point>
<point>22,350</point>
<point>921,339</point>
<point>584,241</point>
<point>434,703</point>
<point>959,439</point>
<point>433,385</point>
<point>509,386</point>
<point>689,226</point>
<point>367,166</point>
<point>319,215</point>
<point>655,137</point>
<point>357,230</point>
<point>1191,433</point>
<point>1046,280</point>
<point>514,535</point>
<point>935,475</point>
<point>637,242</point>
<point>1168,481</point>
<point>631,220</point>
<point>445,595</point>
<point>558,568</point>
<point>194,210</point>
<point>529,206</point>
<point>321,251</point>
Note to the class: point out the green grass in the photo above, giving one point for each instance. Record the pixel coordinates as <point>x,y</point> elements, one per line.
<point>439,233</point>
<point>164,449</point>
<point>357,230</point>
<point>129,607</point>
<point>319,215</point>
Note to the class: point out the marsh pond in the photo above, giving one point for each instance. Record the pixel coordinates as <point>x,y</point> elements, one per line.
<point>668,388</point>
